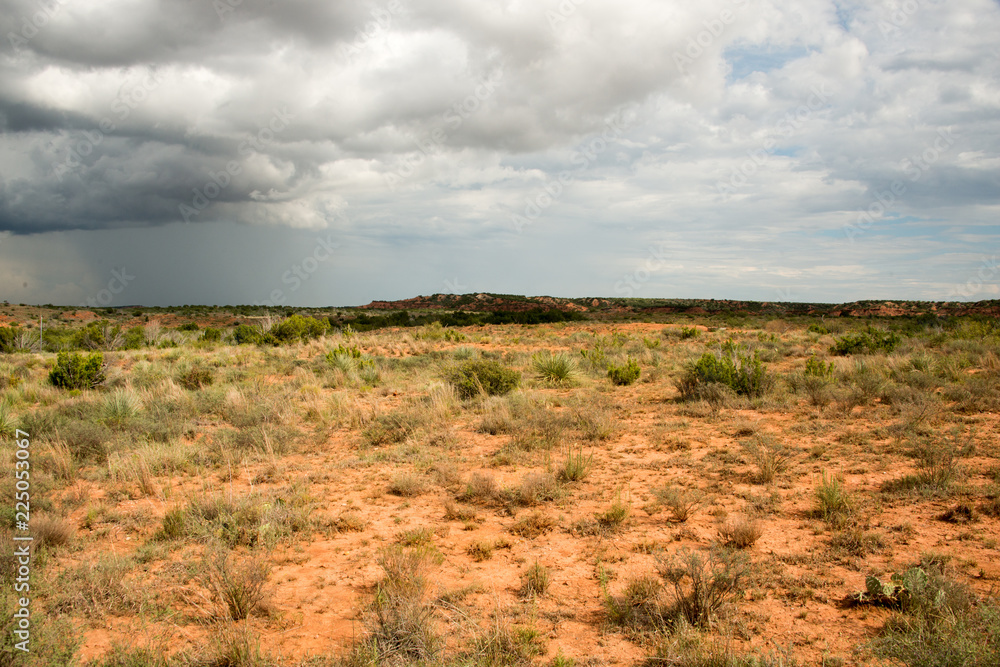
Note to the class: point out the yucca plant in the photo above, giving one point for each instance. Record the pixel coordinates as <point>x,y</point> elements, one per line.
<point>7,422</point>
<point>121,407</point>
<point>557,367</point>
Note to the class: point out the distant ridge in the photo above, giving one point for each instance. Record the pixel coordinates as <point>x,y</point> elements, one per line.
<point>601,306</point>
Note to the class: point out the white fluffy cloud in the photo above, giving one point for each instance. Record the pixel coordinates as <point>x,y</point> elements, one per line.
<point>810,150</point>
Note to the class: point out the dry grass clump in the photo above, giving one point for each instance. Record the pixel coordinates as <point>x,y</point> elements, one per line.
<point>639,606</point>
<point>537,488</point>
<point>770,458</point>
<point>533,525</point>
<point>50,531</point>
<point>97,588</point>
<point>238,583</point>
<point>596,422</point>
<point>682,503</point>
<point>857,542</point>
<point>407,485</point>
<point>481,488</point>
<point>393,427</point>
<point>348,522</point>
<point>480,551</point>
<point>740,532</point>
<point>399,623</point>
<point>535,581</point>
<point>613,519</point>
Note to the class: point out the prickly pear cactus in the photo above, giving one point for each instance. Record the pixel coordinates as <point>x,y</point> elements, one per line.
<point>877,589</point>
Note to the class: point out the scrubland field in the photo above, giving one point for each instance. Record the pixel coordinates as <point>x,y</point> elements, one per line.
<point>684,492</point>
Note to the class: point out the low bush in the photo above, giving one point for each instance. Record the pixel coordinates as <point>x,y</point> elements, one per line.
<point>211,335</point>
<point>195,378</point>
<point>704,583</point>
<point>299,328</point>
<point>815,367</point>
<point>475,377</point>
<point>625,374</point>
<point>869,341</point>
<point>681,502</point>
<point>245,334</point>
<point>76,371</point>
<point>741,372</point>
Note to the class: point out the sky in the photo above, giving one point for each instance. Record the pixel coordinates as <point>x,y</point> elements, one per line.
<point>317,153</point>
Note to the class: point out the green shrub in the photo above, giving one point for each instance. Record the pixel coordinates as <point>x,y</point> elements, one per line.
<point>481,376</point>
<point>742,373</point>
<point>624,375</point>
<point>818,329</point>
<point>135,338</point>
<point>816,368</point>
<point>869,341</point>
<point>211,335</point>
<point>299,327</point>
<point>245,334</point>
<point>689,332</point>
<point>188,326</point>
<point>76,371</point>
<point>8,337</point>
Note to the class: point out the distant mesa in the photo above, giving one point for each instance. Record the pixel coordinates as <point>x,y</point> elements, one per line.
<point>597,306</point>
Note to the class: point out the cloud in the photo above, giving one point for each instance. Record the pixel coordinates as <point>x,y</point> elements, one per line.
<point>439,122</point>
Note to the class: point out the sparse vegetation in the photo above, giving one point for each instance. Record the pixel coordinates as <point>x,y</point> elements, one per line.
<point>215,470</point>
